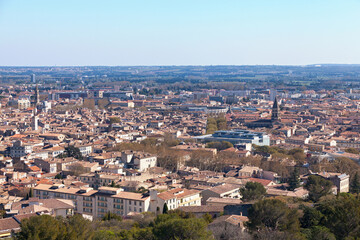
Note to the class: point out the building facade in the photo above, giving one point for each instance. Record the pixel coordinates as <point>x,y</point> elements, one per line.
<point>96,203</point>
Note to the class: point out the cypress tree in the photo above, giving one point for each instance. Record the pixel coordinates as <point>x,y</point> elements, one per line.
<point>294,180</point>
<point>31,193</point>
<point>165,209</point>
<point>355,184</point>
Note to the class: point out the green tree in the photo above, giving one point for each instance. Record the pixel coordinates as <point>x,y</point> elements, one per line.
<point>341,215</point>
<point>105,235</point>
<point>114,120</point>
<point>109,215</point>
<point>31,193</point>
<point>318,187</point>
<point>355,184</point>
<point>79,228</point>
<point>252,191</point>
<point>352,150</point>
<point>274,215</point>
<point>294,180</point>
<point>113,184</point>
<point>165,209</point>
<point>208,218</point>
<point>221,123</point>
<point>219,145</point>
<point>2,214</point>
<point>58,176</point>
<point>311,217</point>
<point>137,233</point>
<point>264,149</point>
<point>211,126</point>
<point>178,228</point>
<point>42,227</point>
<point>318,233</point>
<point>74,152</point>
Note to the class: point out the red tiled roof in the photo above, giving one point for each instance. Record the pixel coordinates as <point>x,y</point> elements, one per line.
<point>263,182</point>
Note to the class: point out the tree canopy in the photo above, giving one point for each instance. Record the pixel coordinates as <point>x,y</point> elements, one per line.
<point>294,180</point>
<point>214,124</point>
<point>71,151</point>
<point>174,225</point>
<point>273,214</point>
<point>355,184</point>
<point>318,187</point>
<point>219,145</point>
<point>47,227</point>
<point>252,191</point>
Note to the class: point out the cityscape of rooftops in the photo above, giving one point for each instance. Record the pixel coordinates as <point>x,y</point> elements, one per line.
<point>179,120</point>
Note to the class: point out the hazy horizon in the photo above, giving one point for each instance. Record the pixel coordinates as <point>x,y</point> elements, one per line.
<point>198,65</point>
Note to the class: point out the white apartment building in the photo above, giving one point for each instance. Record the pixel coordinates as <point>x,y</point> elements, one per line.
<point>23,103</point>
<point>174,198</point>
<point>55,151</point>
<point>96,203</point>
<point>20,149</point>
<point>138,160</point>
<point>342,142</point>
<point>97,180</point>
<point>85,150</point>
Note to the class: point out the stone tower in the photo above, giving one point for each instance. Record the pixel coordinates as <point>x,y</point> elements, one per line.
<point>275,114</point>
<point>37,96</point>
<point>35,118</point>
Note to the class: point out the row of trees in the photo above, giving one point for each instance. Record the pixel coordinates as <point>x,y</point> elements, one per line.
<point>336,217</point>
<point>296,154</point>
<point>317,186</point>
<point>174,225</point>
<point>214,124</point>
<point>91,104</point>
<point>219,145</point>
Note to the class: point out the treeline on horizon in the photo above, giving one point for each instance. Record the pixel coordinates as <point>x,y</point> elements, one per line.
<point>289,75</point>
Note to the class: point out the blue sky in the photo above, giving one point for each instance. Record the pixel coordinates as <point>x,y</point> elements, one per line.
<point>178,32</point>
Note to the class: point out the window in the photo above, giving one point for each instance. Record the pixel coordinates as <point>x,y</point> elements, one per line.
<point>101,210</point>
<point>71,196</point>
<point>118,206</point>
<point>102,198</point>
<point>87,198</point>
<point>101,204</point>
<point>89,210</point>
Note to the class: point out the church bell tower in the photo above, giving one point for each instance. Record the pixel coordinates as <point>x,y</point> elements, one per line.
<point>275,113</point>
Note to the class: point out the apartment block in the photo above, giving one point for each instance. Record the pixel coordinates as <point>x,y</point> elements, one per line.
<point>174,198</point>
<point>96,203</point>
